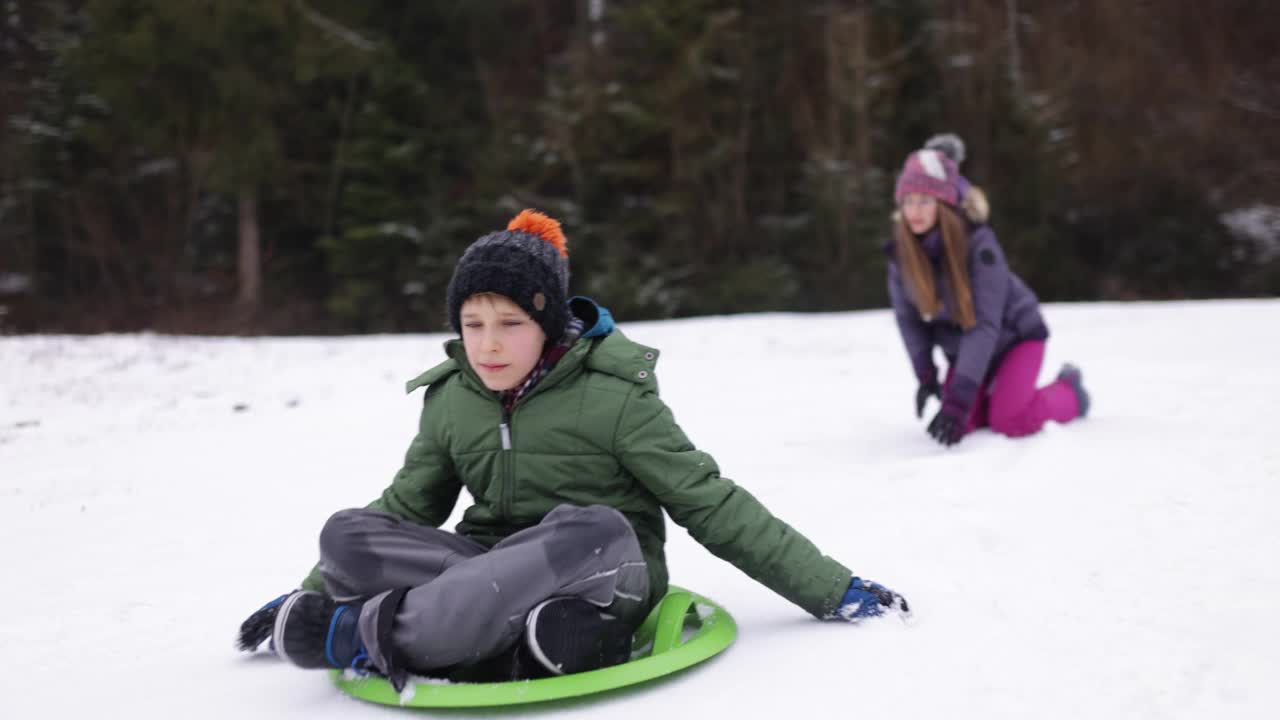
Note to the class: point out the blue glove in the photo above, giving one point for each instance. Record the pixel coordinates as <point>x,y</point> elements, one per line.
<point>866,599</point>
<point>257,628</point>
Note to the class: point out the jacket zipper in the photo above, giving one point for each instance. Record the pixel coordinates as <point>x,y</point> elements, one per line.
<point>504,432</point>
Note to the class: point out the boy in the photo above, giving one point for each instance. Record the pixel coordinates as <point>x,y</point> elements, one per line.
<point>552,421</point>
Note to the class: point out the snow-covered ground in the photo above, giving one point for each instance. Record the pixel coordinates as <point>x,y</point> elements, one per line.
<point>156,490</point>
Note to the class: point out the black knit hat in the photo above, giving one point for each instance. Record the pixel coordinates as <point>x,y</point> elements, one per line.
<point>527,263</point>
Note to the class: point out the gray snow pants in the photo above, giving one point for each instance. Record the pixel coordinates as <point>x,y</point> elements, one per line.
<point>468,603</point>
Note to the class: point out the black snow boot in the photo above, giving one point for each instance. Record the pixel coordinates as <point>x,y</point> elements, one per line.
<point>314,631</point>
<point>570,635</point>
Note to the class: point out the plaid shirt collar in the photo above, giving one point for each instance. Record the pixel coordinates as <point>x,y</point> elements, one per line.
<point>549,358</point>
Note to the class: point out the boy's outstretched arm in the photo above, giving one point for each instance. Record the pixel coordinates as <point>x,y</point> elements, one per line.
<point>725,518</point>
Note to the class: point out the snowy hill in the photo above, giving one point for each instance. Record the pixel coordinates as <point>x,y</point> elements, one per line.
<point>156,490</point>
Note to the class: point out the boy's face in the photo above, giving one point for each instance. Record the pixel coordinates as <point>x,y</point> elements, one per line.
<point>503,343</point>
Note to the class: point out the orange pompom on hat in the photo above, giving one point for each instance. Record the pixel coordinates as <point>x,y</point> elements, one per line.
<point>527,263</point>
<point>542,225</point>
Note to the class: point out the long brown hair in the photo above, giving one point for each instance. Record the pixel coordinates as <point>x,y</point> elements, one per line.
<point>918,273</point>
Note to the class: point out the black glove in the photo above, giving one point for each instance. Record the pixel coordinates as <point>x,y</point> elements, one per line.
<point>947,426</point>
<point>922,394</point>
<point>257,628</point>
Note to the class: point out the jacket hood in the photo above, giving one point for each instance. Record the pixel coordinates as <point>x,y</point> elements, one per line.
<point>975,205</point>
<point>596,319</point>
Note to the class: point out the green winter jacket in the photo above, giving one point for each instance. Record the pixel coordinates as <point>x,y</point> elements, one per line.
<point>593,431</point>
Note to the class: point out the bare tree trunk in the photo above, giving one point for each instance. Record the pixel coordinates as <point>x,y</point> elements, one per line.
<point>249,267</point>
<point>1015,54</point>
<point>583,80</point>
<point>835,87</point>
<point>861,112</point>
<point>339,158</point>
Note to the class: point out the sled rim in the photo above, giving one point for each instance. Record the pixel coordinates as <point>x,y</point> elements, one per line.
<point>659,637</point>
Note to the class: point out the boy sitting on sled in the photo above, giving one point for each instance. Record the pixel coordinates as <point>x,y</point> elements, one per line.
<point>551,419</point>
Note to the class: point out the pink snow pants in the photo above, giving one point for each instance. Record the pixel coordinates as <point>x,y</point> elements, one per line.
<point>1010,403</point>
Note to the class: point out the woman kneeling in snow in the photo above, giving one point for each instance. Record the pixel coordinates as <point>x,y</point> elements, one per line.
<point>951,288</point>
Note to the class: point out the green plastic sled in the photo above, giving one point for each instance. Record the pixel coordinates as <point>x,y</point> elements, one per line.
<point>683,630</point>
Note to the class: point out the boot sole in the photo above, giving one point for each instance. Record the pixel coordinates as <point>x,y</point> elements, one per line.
<point>277,632</point>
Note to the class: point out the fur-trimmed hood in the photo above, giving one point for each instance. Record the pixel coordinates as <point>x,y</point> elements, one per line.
<point>975,205</point>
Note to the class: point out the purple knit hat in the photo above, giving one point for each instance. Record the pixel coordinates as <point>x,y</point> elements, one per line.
<point>929,172</point>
